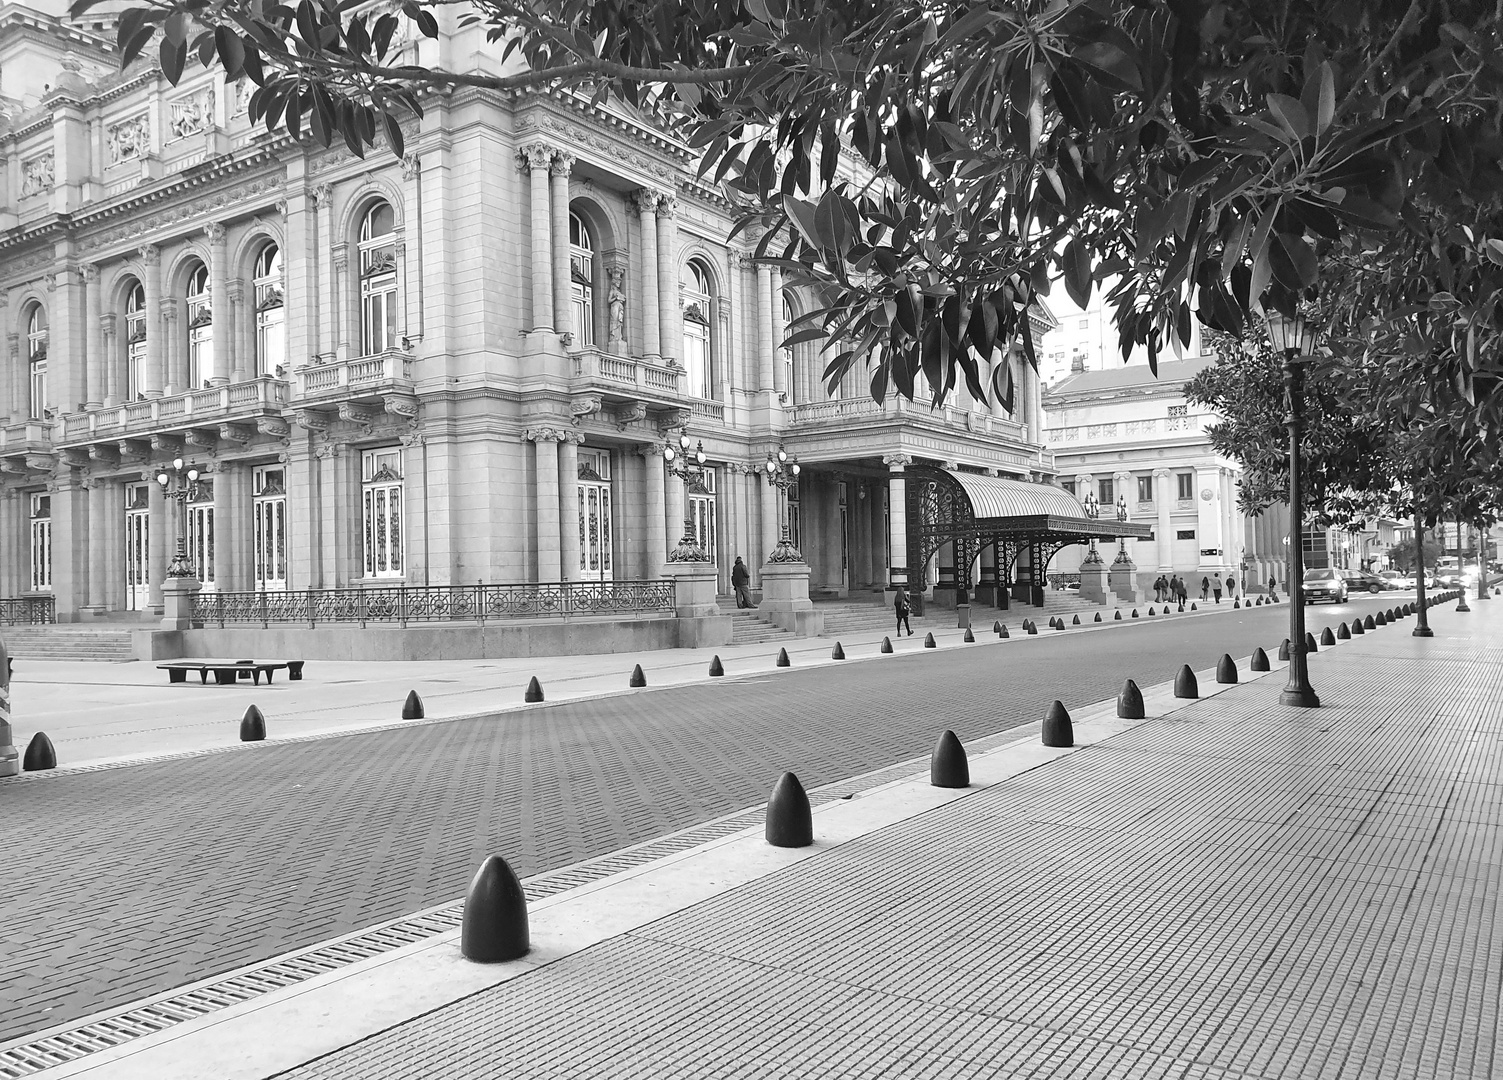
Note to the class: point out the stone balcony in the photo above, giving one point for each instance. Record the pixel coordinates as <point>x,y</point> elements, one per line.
<point>858,426</point>
<point>26,447</point>
<point>362,379</point>
<point>231,412</point>
<point>625,380</point>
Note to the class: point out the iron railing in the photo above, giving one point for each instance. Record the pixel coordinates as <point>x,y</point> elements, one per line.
<point>24,610</point>
<point>401,604</point>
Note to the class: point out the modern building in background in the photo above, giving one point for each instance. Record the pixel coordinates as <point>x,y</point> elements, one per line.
<point>464,365</point>
<point>1086,339</point>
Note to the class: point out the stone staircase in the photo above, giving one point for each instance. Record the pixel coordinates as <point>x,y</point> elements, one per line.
<point>748,629</point>
<point>845,618</point>
<point>67,643</point>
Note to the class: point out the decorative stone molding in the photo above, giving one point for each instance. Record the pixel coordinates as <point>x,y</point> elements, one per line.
<point>536,155</point>
<point>322,193</point>
<point>651,450</point>
<point>644,201</point>
<point>274,426</point>
<point>897,462</point>
<point>150,254</point>
<point>416,437</point>
<point>155,219</point>
<point>167,309</point>
<point>630,413</point>
<point>1159,474</point>
<point>215,232</point>
<point>404,408</point>
<point>581,407</point>
<point>311,420</point>
<point>128,140</point>
<point>104,454</point>
<point>410,166</point>
<point>191,114</point>
<point>362,416</point>
<point>327,449</point>
<point>236,434</point>
<point>202,439</point>
<point>602,145</point>
<point>37,175</point>
<point>667,206</point>
<point>74,457</point>
<point>562,163</point>
<point>543,434</point>
<point>90,272</point>
<point>167,443</point>
<point>132,450</point>
<point>673,419</point>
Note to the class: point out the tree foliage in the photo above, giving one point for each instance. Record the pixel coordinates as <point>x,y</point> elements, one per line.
<point>1210,157</point>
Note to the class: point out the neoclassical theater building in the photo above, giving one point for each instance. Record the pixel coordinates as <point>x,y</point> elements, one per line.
<point>462,365</point>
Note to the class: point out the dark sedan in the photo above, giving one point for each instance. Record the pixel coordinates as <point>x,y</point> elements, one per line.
<point>1362,581</point>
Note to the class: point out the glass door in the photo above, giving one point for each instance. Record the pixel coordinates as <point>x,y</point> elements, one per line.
<point>595,563</point>
<point>702,511</point>
<point>41,543</point>
<point>137,548</point>
<point>269,519</point>
<point>201,534</point>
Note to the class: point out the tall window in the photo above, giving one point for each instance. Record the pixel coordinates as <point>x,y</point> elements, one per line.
<point>271,344</point>
<point>1185,484</point>
<point>36,356</point>
<point>200,511</point>
<point>41,543</point>
<point>269,520</point>
<point>697,290</point>
<point>702,510</point>
<point>582,280</point>
<point>1145,489</point>
<point>382,512</point>
<point>785,356</point>
<point>135,341</point>
<point>378,280</point>
<point>200,329</point>
<point>793,514</point>
<point>595,515</point>
<point>1106,491</point>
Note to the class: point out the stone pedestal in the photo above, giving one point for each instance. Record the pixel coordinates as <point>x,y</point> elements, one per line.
<point>1124,580</point>
<point>177,602</point>
<point>785,599</point>
<point>700,621</point>
<point>1093,582</point>
<point>963,616</point>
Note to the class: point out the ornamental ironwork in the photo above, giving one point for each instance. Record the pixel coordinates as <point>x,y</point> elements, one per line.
<point>27,610</point>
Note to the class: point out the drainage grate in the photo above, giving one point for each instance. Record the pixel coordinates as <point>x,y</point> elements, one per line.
<point>62,1045</point>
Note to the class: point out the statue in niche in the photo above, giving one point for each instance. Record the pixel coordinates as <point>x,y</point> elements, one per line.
<point>616,302</point>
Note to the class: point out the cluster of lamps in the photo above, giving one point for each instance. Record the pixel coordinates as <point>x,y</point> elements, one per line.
<point>782,473</point>
<point>686,466</point>
<point>179,481</point>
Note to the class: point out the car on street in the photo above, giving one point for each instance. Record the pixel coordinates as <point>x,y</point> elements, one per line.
<point>1362,581</point>
<point>1325,583</point>
<point>1397,580</point>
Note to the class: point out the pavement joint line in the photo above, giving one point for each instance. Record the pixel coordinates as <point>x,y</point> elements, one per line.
<point>62,770</point>
<point>212,995</point>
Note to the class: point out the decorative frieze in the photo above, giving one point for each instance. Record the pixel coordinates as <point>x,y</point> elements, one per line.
<point>37,175</point>
<point>128,140</point>
<point>154,219</point>
<point>191,115</point>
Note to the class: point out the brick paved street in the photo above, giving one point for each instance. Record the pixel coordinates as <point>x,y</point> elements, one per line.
<point>132,880</point>
<point>1237,891</point>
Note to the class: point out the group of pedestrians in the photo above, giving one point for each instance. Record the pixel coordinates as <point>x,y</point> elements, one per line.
<point>1173,590</point>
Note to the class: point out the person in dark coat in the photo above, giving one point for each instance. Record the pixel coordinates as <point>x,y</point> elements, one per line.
<point>1205,588</point>
<point>1231,587</point>
<point>741,582</point>
<point>1159,585</point>
<point>1216,588</point>
<point>1180,592</point>
<point>900,607</point>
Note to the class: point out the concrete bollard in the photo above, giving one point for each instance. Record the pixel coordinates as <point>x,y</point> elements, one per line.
<point>1343,632</point>
<point>716,670</point>
<point>1284,649</point>
<point>1194,607</point>
<point>40,754</point>
<point>1368,624</point>
<point>1327,638</point>
<point>1226,670</point>
<point>534,692</point>
<point>783,660</point>
<point>1151,611</point>
<point>1379,620</point>
<point>252,725</point>
<point>790,823</point>
<point>1236,604</point>
<point>1098,617</point>
<point>1032,627</point>
<point>929,642</point>
<point>1357,627</point>
<point>948,767</point>
<point>969,637</point>
<point>1134,613</point>
<point>887,645</point>
<point>1004,633</point>
<point>1130,702</point>
<point>494,929</point>
<point>997,627</point>
<point>1058,731</point>
<point>1310,645</point>
<point>1185,685</point>
<point>1461,604</point>
<point>1059,624</point>
<point>412,708</point>
<point>1075,621</point>
<point>1259,661</point>
<point>1260,601</point>
<point>639,677</point>
<point>837,653</point>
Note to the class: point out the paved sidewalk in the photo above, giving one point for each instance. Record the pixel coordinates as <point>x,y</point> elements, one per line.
<point>1231,889</point>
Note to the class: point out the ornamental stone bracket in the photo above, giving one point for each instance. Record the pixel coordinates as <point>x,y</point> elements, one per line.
<point>363,417</point>
<point>237,434</point>
<point>581,408</point>
<point>131,450</point>
<point>105,455</point>
<point>274,426</point>
<point>74,458</point>
<point>167,444</point>
<point>629,414</point>
<point>312,420</point>
<point>401,407</point>
<point>205,440</point>
<point>673,420</point>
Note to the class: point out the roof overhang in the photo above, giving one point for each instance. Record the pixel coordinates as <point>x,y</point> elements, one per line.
<point>1005,508</point>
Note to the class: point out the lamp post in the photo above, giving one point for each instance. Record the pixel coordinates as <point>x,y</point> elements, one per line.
<point>179,482</point>
<point>686,466</point>
<point>1121,540</point>
<point>1093,511</point>
<point>1295,339</point>
<point>782,473</point>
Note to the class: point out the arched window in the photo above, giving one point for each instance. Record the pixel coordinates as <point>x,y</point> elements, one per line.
<point>378,280</point>
<point>271,343</point>
<point>135,341</point>
<point>36,360</point>
<point>200,329</point>
<point>785,354</point>
<point>582,279</point>
<point>697,288</point>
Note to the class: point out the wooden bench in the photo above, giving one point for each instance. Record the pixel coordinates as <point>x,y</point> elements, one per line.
<point>227,672</point>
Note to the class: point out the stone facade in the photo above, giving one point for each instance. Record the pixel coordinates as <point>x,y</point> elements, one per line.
<point>462,365</point>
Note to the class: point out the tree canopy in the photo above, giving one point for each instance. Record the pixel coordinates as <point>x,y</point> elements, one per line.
<point>1212,158</point>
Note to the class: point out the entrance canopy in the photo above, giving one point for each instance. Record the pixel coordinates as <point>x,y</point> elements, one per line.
<point>1012,509</point>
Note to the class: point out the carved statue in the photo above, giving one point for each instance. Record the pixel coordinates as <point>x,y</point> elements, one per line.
<point>616,300</point>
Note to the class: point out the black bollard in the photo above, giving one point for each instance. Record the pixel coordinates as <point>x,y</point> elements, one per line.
<point>1004,633</point>
<point>887,645</point>
<point>1058,731</point>
<point>783,660</point>
<point>996,627</point>
<point>1284,649</point>
<point>1259,661</point>
<point>1380,620</point>
<point>40,754</point>
<point>1236,604</point>
<point>1032,627</point>
<point>1368,624</point>
<point>495,915</point>
<point>1185,685</point>
<point>1226,670</point>
<point>252,725</point>
<point>412,708</point>
<point>534,692</point>
<point>1117,617</point>
<point>1134,613</point>
<point>1310,646</point>
<point>1130,702</point>
<point>639,677</point>
<point>948,766</point>
<point>929,642</point>
<point>1151,611</point>
<point>1075,621</point>
<point>968,635</point>
<point>789,820</point>
<point>1327,638</point>
<point>1194,607</point>
<point>1343,632</point>
<point>1098,617</point>
<point>716,670</point>
<point>837,653</point>
<point>1357,627</point>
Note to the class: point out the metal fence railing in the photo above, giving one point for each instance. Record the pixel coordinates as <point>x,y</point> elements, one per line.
<point>25,610</point>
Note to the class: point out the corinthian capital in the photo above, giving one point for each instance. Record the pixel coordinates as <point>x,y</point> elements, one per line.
<point>150,254</point>
<point>562,163</point>
<point>535,155</point>
<point>215,232</point>
<point>897,462</point>
<point>667,206</point>
<point>645,200</point>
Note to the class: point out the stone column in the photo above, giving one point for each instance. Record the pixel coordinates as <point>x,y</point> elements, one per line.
<point>675,498</point>
<point>782,378</point>
<point>152,369</point>
<point>772,526</point>
<point>174,366</point>
<point>325,308</point>
<point>535,158</point>
<point>545,493</point>
<point>96,360</point>
<point>242,332</point>
<point>645,203</point>
<point>112,359</point>
<point>669,312</point>
<point>11,517</point>
<point>344,307</point>
<point>653,511</point>
<point>229,526</point>
<point>568,504</point>
<point>563,309</point>
<point>101,522</point>
<point>219,304</point>
<point>1122,483</point>
<point>1163,528</point>
<point>897,516</point>
<point>163,525</point>
<point>766,347</point>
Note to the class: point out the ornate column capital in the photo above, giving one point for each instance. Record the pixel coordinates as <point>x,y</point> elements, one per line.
<point>1162,474</point>
<point>90,272</point>
<point>667,205</point>
<point>645,201</point>
<point>651,450</point>
<point>215,232</point>
<point>322,193</point>
<point>107,324</point>
<point>167,309</point>
<point>575,437</point>
<point>897,462</point>
<point>562,163</point>
<point>543,434</point>
<point>150,254</point>
<point>535,155</point>
<point>410,166</point>
<point>235,289</point>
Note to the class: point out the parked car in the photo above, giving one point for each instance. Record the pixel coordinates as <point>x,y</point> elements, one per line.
<point>1362,581</point>
<point>1397,580</point>
<point>1325,584</point>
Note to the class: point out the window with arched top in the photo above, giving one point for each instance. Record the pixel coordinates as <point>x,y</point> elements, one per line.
<point>697,288</point>
<point>582,279</point>
<point>36,361</point>
<point>271,340</point>
<point>200,328</point>
<point>785,354</point>
<point>378,280</point>
<point>135,340</point>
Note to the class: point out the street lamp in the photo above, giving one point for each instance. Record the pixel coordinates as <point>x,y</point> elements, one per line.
<point>782,473</point>
<point>1121,540</point>
<point>686,466</point>
<point>180,483</point>
<point>1294,338</point>
<point>1093,511</point>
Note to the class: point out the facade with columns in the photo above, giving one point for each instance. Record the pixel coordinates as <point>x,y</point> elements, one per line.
<point>1121,433</point>
<point>461,365</point>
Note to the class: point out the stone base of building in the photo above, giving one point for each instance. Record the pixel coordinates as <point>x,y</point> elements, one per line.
<point>785,599</point>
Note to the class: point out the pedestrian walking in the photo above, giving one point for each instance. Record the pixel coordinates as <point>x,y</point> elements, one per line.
<point>740,581</point>
<point>900,608</point>
<point>1231,587</point>
<point>1216,588</point>
<point>1180,592</point>
<point>1159,587</point>
<point>1205,588</point>
<point>1273,584</point>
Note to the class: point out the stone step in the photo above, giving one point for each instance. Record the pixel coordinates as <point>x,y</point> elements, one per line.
<point>68,643</point>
